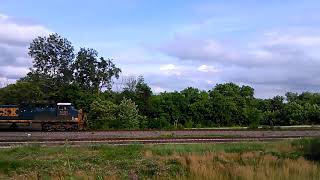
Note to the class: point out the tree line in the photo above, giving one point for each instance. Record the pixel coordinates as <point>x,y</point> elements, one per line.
<point>59,74</point>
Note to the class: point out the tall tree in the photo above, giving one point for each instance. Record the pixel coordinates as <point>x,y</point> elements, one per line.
<point>291,97</point>
<point>143,93</point>
<point>93,73</point>
<point>52,57</point>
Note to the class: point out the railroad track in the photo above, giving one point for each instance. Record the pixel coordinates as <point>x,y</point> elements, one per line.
<point>127,141</point>
<point>147,137</point>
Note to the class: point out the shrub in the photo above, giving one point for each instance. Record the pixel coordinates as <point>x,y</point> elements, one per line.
<point>107,115</point>
<point>189,124</point>
<point>103,114</point>
<point>128,115</point>
<point>253,116</point>
<point>309,147</point>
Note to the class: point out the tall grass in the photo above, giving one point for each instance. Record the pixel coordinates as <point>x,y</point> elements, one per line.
<point>244,166</point>
<point>273,160</point>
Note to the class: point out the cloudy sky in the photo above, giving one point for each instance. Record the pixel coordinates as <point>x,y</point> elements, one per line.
<point>273,46</point>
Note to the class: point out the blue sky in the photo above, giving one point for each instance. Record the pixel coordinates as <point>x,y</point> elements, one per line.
<point>271,45</point>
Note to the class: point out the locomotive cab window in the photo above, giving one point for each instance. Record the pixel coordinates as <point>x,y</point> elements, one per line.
<point>63,109</point>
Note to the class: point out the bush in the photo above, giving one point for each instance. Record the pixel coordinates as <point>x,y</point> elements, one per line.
<point>160,122</point>
<point>253,126</point>
<point>128,115</point>
<point>103,114</point>
<point>179,127</point>
<point>309,147</point>
<point>107,115</point>
<point>189,124</point>
<point>253,116</point>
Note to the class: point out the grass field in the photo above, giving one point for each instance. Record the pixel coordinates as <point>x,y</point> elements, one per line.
<point>271,160</point>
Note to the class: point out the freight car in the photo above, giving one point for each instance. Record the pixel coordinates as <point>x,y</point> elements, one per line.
<point>61,117</point>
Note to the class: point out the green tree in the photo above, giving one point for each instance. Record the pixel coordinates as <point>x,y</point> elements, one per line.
<point>277,106</point>
<point>21,93</point>
<point>52,57</point>
<point>295,114</point>
<point>223,109</point>
<point>191,94</point>
<point>253,116</point>
<point>143,93</point>
<point>247,92</point>
<point>128,115</point>
<point>201,111</point>
<point>103,115</point>
<point>139,91</point>
<point>228,103</point>
<point>52,66</point>
<point>312,112</point>
<point>291,97</point>
<point>93,73</point>
<point>228,89</point>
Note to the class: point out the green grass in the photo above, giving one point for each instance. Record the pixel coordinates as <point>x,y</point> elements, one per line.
<point>125,162</point>
<point>204,148</point>
<point>68,159</point>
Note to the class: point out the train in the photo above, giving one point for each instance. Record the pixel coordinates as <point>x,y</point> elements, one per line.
<point>59,117</point>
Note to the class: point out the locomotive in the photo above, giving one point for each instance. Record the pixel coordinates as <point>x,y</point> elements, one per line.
<point>61,117</point>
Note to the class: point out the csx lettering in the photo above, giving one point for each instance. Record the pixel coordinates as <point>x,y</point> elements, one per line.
<point>11,112</point>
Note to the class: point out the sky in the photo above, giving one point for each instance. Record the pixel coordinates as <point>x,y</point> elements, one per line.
<point>273,46</point>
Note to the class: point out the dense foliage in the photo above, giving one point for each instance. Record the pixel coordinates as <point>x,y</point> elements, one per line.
<point>60,75</point>
<point>107,115</point>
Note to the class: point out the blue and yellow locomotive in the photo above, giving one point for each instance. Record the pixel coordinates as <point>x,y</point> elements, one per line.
<point>62,116</point>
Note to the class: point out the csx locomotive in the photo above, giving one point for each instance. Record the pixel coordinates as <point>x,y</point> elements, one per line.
<point>61,117</point>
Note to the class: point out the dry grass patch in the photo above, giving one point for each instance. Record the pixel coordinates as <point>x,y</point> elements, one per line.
<point>250,165</point>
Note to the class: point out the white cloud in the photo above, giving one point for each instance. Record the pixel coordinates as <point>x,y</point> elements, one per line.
<point>11,72</point>
<point>207,68</point>
<point>157,89</point>
<point>209,82</point>
<point>15,36</point>
<point>286,60</point>
<point>195,49</point>
<point>3,17</point>
<point>12,31</point>
<point>292,38</point>
<point>168,67</point>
